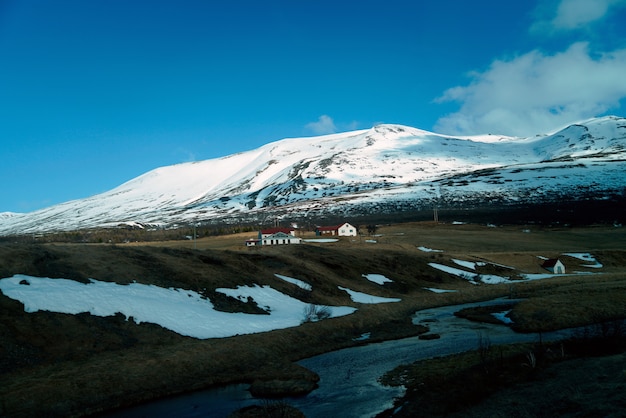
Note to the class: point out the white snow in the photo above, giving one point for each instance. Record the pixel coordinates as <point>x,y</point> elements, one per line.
<point>466,264</point>
<point>586,257</point>
<point>365,298</point>
<point>435,290</point>
<point>182,311</point>
<point>321,240</point>
<point>472,265</point>
<point>502,317</point>
<point>301,284</point>
<point>429,250</point>
<point>493,279</point>
<point>377,278</point>
<point>365,336</point>
<point>472,277</point>
<point>366,167</point>
<point>498,265</point>
<point>452,270</point>
<point>540,276</point>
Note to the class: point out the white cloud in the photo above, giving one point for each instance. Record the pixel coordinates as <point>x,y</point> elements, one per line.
<point>324,125</point>
<point>535,93</point>
<point>566,15</point>
<point>573,14</point>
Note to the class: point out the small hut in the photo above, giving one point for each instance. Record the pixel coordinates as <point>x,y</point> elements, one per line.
<point>554,265</point>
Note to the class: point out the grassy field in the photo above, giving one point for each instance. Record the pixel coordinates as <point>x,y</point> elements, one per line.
<point>73,365</point>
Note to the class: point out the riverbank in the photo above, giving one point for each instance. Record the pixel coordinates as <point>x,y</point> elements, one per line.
<point>580,376</point>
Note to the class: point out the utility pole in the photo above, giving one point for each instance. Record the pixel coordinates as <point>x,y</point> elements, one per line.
<point>435,214</point>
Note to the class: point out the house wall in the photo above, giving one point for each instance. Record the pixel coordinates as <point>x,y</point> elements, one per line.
<point>347,230</point>
<point>280,240</point>
<point>559,268</point>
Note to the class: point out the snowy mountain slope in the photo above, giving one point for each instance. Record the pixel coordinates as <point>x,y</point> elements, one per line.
<point>385,167</point>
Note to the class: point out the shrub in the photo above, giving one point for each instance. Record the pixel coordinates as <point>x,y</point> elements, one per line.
<point>314,313</point>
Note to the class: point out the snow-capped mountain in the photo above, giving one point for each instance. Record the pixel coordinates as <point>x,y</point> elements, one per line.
<point>385,168</point>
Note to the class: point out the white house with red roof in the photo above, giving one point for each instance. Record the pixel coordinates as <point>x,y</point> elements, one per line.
<point>275,236</point>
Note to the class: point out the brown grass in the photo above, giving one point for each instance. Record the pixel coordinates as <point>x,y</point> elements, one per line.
<point>59,365</point>
<point>524,380</point>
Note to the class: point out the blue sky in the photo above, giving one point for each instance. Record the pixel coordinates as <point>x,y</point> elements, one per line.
<point>94,93</point>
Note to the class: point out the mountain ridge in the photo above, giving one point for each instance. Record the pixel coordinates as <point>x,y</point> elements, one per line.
<point>351,173</point>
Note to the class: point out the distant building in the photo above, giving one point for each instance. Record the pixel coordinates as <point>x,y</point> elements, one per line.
<point>275,236</point>
<point>280,238</point>
<point>554,265</point>
<point>343,230</point>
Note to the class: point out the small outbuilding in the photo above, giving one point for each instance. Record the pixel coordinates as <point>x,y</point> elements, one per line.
<point>554,265</point>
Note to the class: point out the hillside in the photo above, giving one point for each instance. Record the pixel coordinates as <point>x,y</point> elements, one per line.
<point>388,169</point>
<point>120,360</point>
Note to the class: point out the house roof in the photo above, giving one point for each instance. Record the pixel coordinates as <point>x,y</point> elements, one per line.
<point>551,262</point>
<point>280,234</point>
<point>276,230</point>
<point>328,228</point>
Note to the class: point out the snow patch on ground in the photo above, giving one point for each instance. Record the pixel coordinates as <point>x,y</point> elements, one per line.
<point>365,298</point>
<point>472,265</point>
<point>466,264</point>
<point>182,311</point>
<point>472,277</point>
<point>363,337</point>
<point>299,283</point>
<point>502,317</point>
<point>429,250</point>
<point>377,278</point>
<point>540,276</point>
<point>586,257</point>
<point>435,290</point>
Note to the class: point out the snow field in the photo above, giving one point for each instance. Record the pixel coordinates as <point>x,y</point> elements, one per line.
<point>182,311</point>
<point>366,298</point>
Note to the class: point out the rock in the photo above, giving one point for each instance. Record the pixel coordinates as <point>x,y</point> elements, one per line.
<point>429,336</point>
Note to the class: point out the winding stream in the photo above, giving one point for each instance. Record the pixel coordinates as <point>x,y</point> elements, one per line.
<point>348,385</point>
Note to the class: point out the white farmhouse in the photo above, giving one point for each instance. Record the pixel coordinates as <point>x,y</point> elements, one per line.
<point>275,236</point>
<point>344,230</point>
<point>280,238</point>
